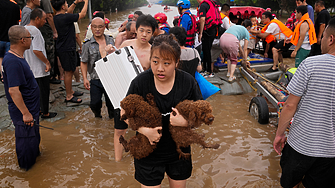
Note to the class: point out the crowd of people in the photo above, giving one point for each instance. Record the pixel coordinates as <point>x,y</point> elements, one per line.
<point>44,41</point>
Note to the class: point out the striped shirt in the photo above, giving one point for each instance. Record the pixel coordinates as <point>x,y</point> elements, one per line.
<point>312,132</point>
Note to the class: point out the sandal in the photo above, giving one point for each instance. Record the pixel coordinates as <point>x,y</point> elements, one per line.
<point>231,79</point>
<point>77,93</point>
<point>74,99</point>
<point>51,115</point>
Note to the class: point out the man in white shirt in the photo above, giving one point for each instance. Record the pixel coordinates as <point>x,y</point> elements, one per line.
<point>275,30</point>
<point>226,23</point>
<point>37,60</point>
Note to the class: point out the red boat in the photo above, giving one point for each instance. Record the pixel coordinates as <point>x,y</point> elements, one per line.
<point>246,11</point>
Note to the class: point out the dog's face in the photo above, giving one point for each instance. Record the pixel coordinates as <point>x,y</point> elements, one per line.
<point>204,111</point>
<point>128,104</point>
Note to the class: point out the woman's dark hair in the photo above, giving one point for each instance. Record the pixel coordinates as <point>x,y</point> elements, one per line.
<point>167,47</point>
<point>147,20</point>
<point>246,23</point>
<point>180,34</point>
<point>57,4</point>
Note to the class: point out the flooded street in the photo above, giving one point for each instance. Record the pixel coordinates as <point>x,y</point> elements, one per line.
<point>79,151</point>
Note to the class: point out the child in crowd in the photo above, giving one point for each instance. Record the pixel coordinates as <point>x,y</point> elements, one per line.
<point>253,30</point>
<point>169,87</point>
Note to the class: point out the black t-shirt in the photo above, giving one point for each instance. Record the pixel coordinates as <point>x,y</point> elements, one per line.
<point>10,16</point>
<point>203,9</point>
<point>66,40</point>
<point>323,17</point>
<point>184,88</point>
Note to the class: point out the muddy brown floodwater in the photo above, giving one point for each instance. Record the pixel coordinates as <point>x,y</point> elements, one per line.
<point>79,152</point>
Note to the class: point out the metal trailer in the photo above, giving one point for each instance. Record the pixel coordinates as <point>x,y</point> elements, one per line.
<point>258,107</point>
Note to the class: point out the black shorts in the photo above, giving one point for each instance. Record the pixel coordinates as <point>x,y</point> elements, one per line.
<point>313,171</point>
<point>153,174</point>
<point>68,60</point>
<point>78,59</point>
<point>118,124</point>
<point>282,46</point>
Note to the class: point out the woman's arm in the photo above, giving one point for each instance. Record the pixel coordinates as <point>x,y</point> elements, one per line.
<point>151,133</point>
<point>177,120</point>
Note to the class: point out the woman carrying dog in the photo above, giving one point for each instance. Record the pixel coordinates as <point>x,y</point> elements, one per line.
<point>169,86</point>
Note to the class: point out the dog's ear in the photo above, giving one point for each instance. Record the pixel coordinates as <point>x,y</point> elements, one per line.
<point>151,100</point>
<point>132,112</point>
<point>192,118</point>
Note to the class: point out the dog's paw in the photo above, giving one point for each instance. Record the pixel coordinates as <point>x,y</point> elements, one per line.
<point>216,146</point>
<point>186,156</point>
<point>121,139</point>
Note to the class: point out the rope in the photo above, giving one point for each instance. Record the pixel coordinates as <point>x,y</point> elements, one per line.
<point>279,87</point>
<point>250,84</point>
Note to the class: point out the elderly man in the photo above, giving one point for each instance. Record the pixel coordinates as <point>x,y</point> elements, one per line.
<point>95,48</point>
<point>130,33</point>
<point>23,97</point>
<point>309,152</point>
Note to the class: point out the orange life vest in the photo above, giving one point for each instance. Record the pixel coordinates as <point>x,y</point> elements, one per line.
<point>311,31</point>
<point>283,29</point>
<point>253,36</point>
<point>223,16</point>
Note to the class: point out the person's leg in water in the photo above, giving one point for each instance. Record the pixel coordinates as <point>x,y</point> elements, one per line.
<point>118,148</point>
<point>177,183</point>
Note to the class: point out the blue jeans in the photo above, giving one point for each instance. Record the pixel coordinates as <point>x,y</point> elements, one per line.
<point>96,92</point>
<point>4,47</point>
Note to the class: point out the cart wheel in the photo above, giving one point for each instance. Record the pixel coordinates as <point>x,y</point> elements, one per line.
<point>259,109</point>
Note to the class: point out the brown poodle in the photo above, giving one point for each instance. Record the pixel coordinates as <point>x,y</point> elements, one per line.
<point>140,114</point>
<point>196,113</point>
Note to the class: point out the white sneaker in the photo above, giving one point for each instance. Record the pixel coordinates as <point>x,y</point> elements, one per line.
<point>205,75</point>
<point>231,79</point>
<point>228,74</point>
<point>211,75</point>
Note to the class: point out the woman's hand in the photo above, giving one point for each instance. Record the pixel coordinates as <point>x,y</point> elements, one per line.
<point>151,133</point>
<point>177,120</point>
